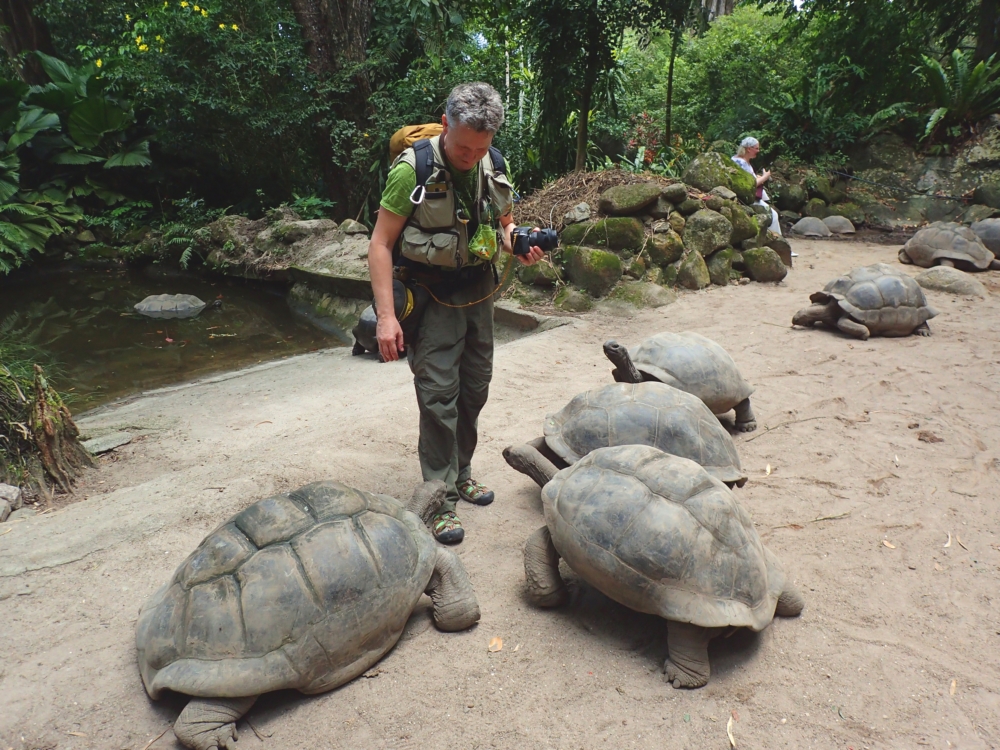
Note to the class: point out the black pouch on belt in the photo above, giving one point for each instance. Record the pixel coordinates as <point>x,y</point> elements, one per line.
<point>409,301</point>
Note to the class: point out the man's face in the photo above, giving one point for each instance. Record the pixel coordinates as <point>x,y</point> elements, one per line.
<point>463,146</point>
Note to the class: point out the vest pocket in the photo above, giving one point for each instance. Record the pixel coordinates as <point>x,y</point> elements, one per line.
<point>432,248</point>
<point>437,210</point>
<point>501,193</point>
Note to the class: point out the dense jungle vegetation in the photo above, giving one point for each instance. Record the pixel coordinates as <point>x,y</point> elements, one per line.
<point>126,113</point>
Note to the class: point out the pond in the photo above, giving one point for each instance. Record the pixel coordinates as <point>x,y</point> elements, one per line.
<point>103,350</point>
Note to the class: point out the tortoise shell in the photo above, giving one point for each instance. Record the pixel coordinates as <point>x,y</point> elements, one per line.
<point>883,298</point>
<point>946,239</point>
<point>650,413</point>
<point>692,363</point>
<point>658,534</point>
<point>305,590</point>
<point>170,306</point>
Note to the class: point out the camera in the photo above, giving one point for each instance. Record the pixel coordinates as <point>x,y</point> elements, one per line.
<point>523,239</point>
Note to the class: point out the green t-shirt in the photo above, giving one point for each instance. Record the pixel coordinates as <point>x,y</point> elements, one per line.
<point>403,179</point>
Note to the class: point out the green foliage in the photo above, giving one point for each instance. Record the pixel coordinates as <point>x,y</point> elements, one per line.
<point>960,93</point>
<point>311,206</point>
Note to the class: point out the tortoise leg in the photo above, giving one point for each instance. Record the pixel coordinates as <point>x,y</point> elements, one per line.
<point>210,723</point>
<point>626,371</point>
<point>358,349</point>
<point>947,262</point>
<point>745,420</point>
<point>790,603</point>
<point>852,328</point>
<point>527,459</point>
<point>922,330</point>
<point>687,665</point>
<point>995,264</point>
<point>455,605</point>
<point>541,569</point>
<point>809,316</point>
<point>427,499</point>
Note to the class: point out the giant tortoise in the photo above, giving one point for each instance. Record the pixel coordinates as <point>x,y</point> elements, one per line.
<point>946,243</point>
<point>691,362</point>
<point>876,300</point>
<point>305,590</point>
<point>660,535</point>
<point>650,413</point>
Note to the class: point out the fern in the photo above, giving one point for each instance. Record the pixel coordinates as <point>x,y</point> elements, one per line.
<point>960,94</point>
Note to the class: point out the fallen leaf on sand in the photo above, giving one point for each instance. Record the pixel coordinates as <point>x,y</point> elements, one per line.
<point>266,421</point>
<point>954,687</point>
<point>895,460</point>
<point>960,542</point>
<point>888,544</point>
<point>729,732</point>
<point>5,531</point>
<point>927,436</point>
<point>948,543</point>
<point>496,644</point>
<point>517,646</point>
<point>767,471</point>
<point>937,567</point>
<point>81,734</point>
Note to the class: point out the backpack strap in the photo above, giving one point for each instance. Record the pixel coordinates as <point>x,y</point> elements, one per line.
<point>424,153</point>
<point>498,163</point>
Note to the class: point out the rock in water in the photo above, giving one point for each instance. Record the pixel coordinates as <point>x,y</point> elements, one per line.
<point>625,200</point>
<point>810,226</point>
<point>952,281</point>
<point>763,264</point>
<point>170,306</point>
<point>594,271</point>
<point>839,224</point>
<point>693,273</point>
<point>707,231</point>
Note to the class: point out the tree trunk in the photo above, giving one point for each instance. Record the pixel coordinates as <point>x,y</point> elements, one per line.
<point>987,42</point>
<point>668,131</point>
<point>24,32</point>
<point>56,435</point>
<point>336,36</point>
<point>582,125</point>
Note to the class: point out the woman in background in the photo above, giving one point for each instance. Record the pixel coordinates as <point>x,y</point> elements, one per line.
<point>749,148</point>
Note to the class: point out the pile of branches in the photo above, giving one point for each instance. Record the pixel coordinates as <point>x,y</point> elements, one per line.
<point>38,437</point>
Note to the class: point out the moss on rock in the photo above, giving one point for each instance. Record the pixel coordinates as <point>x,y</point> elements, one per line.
<point>664,248</point>
<point>618,233</point>
<point>815,207</point>
<point>643,294</point>
<point>713,169</point>
<point>763,264</point>
<point>720,266</point>
<point>692,273</point>
<point>675,193</point>
<point>744,225</point>
<point>707,231</point>
<point>573,300</point>
<point>594,271</point>
<point>626,200</point>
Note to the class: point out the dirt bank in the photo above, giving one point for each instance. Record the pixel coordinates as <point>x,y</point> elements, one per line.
<point>896,440</point>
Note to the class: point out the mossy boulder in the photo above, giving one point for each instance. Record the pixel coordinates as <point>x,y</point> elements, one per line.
<point>712,169</point>
<point>573,300</point>
<point>670,274</point>
<point>594,271</point>
<point>618,233</point>
<point>851,211</point>
<point>626,200</point>
<point>815,207</point>
<point>764,264</point>
<point>987,193</point>
<point>790,197</point>
<point>643,294</point>
<point>781,246</point>
<point>676,192</point>
<point>636,268</point>
<point>692,273</point>
<point>661,209</point>
<point>655,275</point>
<point>831,191</point>
<point>714,203</point>
<point>707,231</point>
<point>665,248</point>
<point>542,273</point>
<point>677,222</point>
<point>720,266</point>
<point>689,206</point>
<point>744,225</point>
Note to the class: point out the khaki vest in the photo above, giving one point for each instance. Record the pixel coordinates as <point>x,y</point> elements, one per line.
<point>434,234</point>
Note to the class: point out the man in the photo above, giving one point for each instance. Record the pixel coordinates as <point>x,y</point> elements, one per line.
<point>446,230</point>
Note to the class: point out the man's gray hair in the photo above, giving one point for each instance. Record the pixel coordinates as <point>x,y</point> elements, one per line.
<point>475,105</point>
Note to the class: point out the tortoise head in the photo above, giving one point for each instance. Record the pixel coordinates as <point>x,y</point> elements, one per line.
<point>625,371</point>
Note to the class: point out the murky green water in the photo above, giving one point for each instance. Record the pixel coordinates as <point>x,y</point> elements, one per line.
<point>105,350</point>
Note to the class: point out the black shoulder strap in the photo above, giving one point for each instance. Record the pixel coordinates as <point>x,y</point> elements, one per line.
<point>424,154</point>
<point>498,163</point>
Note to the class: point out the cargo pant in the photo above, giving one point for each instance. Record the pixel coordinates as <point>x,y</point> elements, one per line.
<point>452,364</point>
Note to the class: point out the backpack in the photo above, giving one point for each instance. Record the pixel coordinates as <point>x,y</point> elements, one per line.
<point>406,136</point>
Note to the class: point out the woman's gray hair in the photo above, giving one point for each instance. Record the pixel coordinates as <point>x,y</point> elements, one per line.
<point>747,143</point>
<point>475,105</point>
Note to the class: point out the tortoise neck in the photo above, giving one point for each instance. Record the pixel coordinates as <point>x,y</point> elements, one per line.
<point>619,357</point>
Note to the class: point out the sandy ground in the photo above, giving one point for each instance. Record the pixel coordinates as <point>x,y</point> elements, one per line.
<point>899,646</point>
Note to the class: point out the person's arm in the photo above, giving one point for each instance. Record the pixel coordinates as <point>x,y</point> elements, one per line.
<point>389,333</point>
<point>507,225</point>
<point>764,177</point>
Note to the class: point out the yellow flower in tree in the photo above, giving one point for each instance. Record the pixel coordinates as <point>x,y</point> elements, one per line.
<point>222,25</point>
<point>204,13</point>
<point>138,40</point>
<point>143,47</point>
<point>196,9</point>
<point>184,3</point>
<point>99,62</point>
<point>128,17</point>
<point>235,27</point>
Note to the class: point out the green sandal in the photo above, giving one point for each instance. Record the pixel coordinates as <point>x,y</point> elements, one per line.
<point>446,528</point>
<point>473,492</point>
